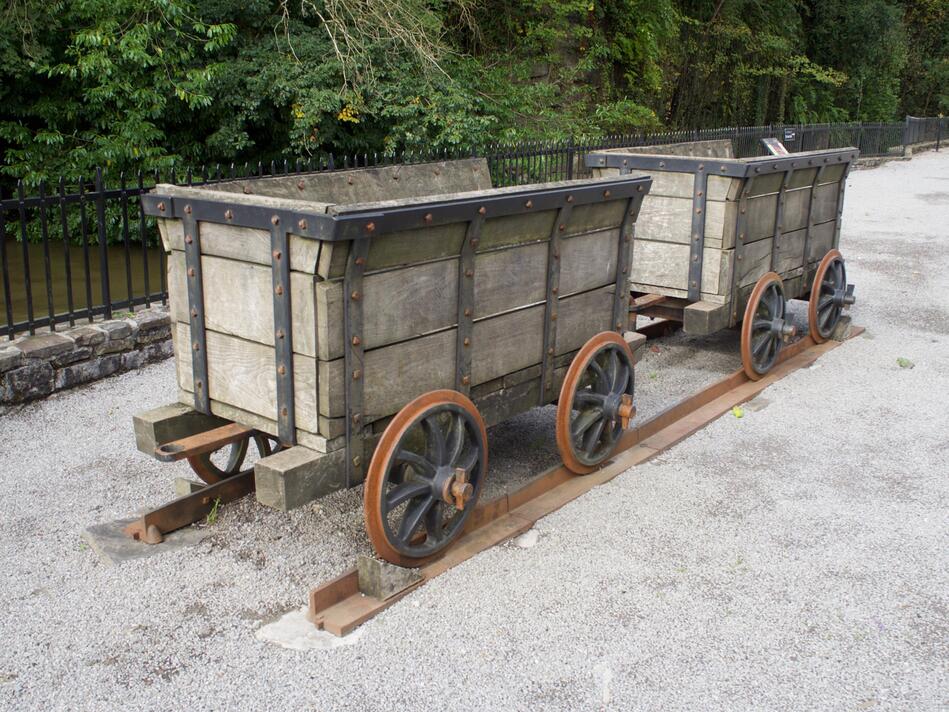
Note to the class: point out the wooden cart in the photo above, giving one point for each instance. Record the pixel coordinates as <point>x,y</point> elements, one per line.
<point>369,324</point>
<point>722,241</point>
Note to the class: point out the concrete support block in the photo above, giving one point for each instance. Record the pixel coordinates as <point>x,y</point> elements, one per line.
<point>704,318</point>
<point>170,422</point>
<point>184,486</point>
<point>382,580</point>
<point>295,476</point>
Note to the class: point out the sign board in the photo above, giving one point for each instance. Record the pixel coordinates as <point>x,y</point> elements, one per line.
<point>789,135</point>
<point>774,146</point>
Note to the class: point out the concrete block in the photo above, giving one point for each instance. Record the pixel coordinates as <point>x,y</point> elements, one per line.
<point>45,345</point>
<point>170,422</point>
<point>704,318</point>
<point>295,476</point>
<point>382,580</point>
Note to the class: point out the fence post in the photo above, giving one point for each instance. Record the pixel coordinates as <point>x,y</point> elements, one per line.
<point>938,132</point>
<point>905,135</point>
<point>570,156</point>
<point>103,244</point>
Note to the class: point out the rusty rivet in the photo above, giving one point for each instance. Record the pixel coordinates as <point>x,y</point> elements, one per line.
<point>562,227</point>
<point>553,316</point>
<point>191,271</point>
<point>161,207</point>
<point>196,346</point>
<point>356,417</point>
<point>356,341</point>
<point>194,312</point>
<point>475,242</point>
<point>284,412</point>
<point>187,210</point>
<point>360,261</point>
<point>700,194</point>
<point>228,214</point>
<point>282,370</point>
<point>467,341</point>
<point>619,325</point>
<point>569,198</point>
<point>550,351</point>
<point>465,380</point>
<point>370,226</point>
<point>694,283</point>
<point>275,220</point>
<point>199,384</point>
<point>529,204</point>
<point>606,194</point>
<point>302,224</point>
<point>739,258</point>
<point>277,254</point>
<point>640,189</point>
<point>428,217</point>
<point>357,374</point>
<point>698,211</point>
<point>624,270</point>
<point>554,290</point>
<point>355,296</point>
<point>279,289</point>
<point>189,239</point>
<point>467,312</point>
<point>482,210</point>
<point>469,273</point>
<point>280,334</point>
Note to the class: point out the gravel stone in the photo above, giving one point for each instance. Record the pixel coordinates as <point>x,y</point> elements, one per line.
<point>795,558</point>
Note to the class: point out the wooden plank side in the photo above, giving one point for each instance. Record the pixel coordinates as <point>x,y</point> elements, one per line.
<point>666,265</point>
<point>670,220</point>
<point>504,280</point>
<point>825,202</point>
<point>821,240</point>
<point>796,206</point>
<point>502,344</point>
<point>238,300</point>
<point>243,374</point>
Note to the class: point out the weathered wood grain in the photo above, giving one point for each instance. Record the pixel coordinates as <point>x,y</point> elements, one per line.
<point>243,374</point>
<point>821,240</point>
<point>238,300</point>
<point>670,220</point>
<point>666,264</point>
<point>825,202</point>
<point>705,317</point>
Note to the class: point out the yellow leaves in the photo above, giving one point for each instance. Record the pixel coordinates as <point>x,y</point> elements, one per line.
<point>348,113</point>
<point>298,112</point>
<point>738,411</point>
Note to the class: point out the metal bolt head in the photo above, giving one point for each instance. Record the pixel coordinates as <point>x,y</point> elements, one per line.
<point>194,313</point>
<point>275,220</point>
<point>187,210</point>
<point>428,217</point>
<point>282,370</point>
<point>189,239</point>
<point>228,214</point>
<point>569,198</point>
<point>356,341</point>
<point>360,261</point>
<point>467,312</point>
<point>199,385</point>
<point>196,346</point>
<point>355,296</point>
<point>561,227</point>
<point>284,412</point>
<point>465,380</point>
<point>279,290</point>
<point>640,189</point>
<point>302,224</point>
<point>370,227</point>
<point>356,417</point>
<point>607,194</point>
<point>554,290</point>
<point>191,271</point>
<point>280,334</point>
<point>277,254</point>
<point>619,325</point>
<point>357,374</point>
<point>482,210</point>
<point>467,341</point>
<point>553,316</point>
<point>475,242</point>
<point>469,273</point>
<point>161,207</point>
<point>529,204</point>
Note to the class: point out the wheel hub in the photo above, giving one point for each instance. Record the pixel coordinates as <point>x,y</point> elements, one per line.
<point>782,328</point>
<point>451,486</point>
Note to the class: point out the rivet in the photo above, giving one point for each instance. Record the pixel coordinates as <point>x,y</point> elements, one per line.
<point>302,224</point>
<point>695,238</point>
<point>301,185</point>
<point>640,189</point>
<point>189,239</point>
<point>465,380</point>
<point>277,254</point>
<point>694,283</point>
<point>625,162</point>
<point>467,312</point>
<point>161,207</point>
<point>475,242</point>
<point>624,270</point>
<point>191,271</point>
<point>739,258</point>
<point>467,341</point>
<point>619,325</point>
<point>280,334</point>
<point>187,210</point>
<point>482,210</point>
<point>356,417</point>
<point>607,194</point>
<point>357,374</point>
<point>555,290</point>
<point>356,341</point>
<point>282,370</point>
<point>662,164</point>
<point>695,258</point>
<point>741,236</point>
<point>355,296</point>
<point>553,316</point>
<point>279,290</point>
<point>275,220</point>
<point>722,169</point>
<point>194,313</point>
<point>562,227</point>
<point>360,261</point>
<point>700,194</point>
<point>428,217</point>
<point>701,166</point>
<point>370,226</point>
<point>228,214</point>
<point>698,211</point>
<point>284,412</point>
<point>529,204</point>
<point>569,198</point>
<point>550,351</point>
<point>199,384</point>
<point>469,273</point>
<point>196,346</point>
<point>742,211</point>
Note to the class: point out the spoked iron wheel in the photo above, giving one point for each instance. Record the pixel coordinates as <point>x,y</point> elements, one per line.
<point>764,328</point>
<point>596,402</point>
<point>830,295</point>
<point>425,477</point>
<point>229,460</point>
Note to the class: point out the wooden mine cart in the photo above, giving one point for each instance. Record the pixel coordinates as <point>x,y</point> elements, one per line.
<point>722,241</point>
<point>369,324</point>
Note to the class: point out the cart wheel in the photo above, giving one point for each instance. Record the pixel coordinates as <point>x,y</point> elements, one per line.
<point>830,295</point>
<point>596,402</point>
<point>210,471</point>
<point>425,477</point>
<point>764,328</point>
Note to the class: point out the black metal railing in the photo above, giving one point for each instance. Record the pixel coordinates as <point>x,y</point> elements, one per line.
<point>80,250</point>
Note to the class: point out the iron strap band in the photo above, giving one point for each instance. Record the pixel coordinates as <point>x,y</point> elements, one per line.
<point>354,359</point>
<point>283,333</point>
<point>810,220</point>
<point>697,243</point>
<point>199,340</point>
<point>465,313</point>
<point>779,218</point>
<point>741,225</point>
<point>621,295</point>
<point>550,310</point>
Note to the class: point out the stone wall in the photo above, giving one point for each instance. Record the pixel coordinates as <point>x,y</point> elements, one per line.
<point>34,366</point>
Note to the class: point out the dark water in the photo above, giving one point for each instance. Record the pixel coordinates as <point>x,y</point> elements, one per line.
<point>126,270</point>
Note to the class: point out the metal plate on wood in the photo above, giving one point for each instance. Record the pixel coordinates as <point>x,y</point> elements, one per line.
<point>697,241</point>
<point>199,340</point>
<point>741,227</point>
<point>354,359</point>
<point>553,300</point>
<point>621,295</point>
<point>779,218</point>
<point>465,313</point>
<point>283,331</point>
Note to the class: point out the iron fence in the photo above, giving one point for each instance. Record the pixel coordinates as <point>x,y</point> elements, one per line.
<point>82,250</point>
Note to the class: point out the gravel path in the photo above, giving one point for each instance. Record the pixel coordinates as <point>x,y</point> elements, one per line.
<point>793,558</point>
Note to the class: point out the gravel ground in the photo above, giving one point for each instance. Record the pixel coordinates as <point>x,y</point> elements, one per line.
<point>793,558</point>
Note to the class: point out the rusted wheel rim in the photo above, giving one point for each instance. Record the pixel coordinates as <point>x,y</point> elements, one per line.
<point>210,471</point>
<point>828,294</point>
<point>425,477</point>
<point>595,402</point>
<point>764,327</point>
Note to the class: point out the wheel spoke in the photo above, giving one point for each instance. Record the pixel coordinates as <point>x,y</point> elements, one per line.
<point>593,436</point>
<point>436,438</point>
<point>825,318</point>
<point>759,324</point>
<point>421,465</point>
<point>619,386</point>
<point>413,517</point>
<point>236,457</point>
<point>403,493</point>
<point>756,349</point>
<point>433,521</point>
<point>601,383</point>
<point>468,462</point>
<point>614,369</point>
<point>585,420</point>
<point>824,303</point>
<point>588,398</point>
<point>456,439</point>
